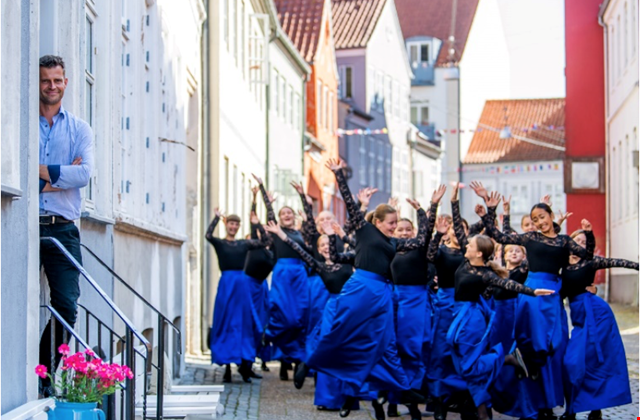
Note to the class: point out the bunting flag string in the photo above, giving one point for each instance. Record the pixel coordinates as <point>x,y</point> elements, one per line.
<point>511,169</point>
<point>358,131</point>
<point>534,127</point>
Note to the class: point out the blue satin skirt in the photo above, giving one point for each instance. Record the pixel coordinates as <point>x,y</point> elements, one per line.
<point>595,364</point>
<point>442,379</point>
<point>504,323</point>
<point>260,311</point>
<point>318,297</point>
<point>474,359</point>
<point>289,308</point>
<point>232,337</point>
<point>359,344</point>
<point>410,303</point>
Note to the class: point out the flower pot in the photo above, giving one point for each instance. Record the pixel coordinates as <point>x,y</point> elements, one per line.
<point>75,411</point>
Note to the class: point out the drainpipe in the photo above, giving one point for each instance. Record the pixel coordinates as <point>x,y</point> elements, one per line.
<point>303,115</point>
<point>607,287</point>
<point>267,107</point>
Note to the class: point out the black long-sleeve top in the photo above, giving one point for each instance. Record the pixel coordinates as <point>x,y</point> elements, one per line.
<point>519,275</point>
<point>374,250</point>
<point>411,268</point>
<point>446,261</point>
<point>472,281</point>
<point>334,276</point>
<point>310,232</point>
<point>259,262</point>
<point>231,254</point>
<point>577,277</point>
<point>545,254</point>
<point>279,248</point>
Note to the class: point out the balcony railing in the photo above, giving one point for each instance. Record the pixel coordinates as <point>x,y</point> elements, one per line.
<point>423,74</point>
<point>428,130</point>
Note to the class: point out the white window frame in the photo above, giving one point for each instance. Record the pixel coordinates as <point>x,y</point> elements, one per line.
<point>276,91</point>
<point>419,58</point>
<point>90,93</point>
<point>362,167</point>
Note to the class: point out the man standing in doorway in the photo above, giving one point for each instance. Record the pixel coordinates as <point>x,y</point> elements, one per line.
<point>66,163</point>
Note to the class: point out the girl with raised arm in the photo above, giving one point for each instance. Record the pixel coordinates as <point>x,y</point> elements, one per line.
<point>360,344</point>
<point>289,293</point>
<point>328,390</point>
<point>232,338</point>
<point>595,363</point>
<point>475,360</point>
<point>541,330</point>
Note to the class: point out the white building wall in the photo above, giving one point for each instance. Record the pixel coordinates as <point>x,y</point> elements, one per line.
<point>622,113</point>
<point>389,76</point>
<point>525,184</point>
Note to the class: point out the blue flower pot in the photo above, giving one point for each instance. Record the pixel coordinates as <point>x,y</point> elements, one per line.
<point>75,411</point>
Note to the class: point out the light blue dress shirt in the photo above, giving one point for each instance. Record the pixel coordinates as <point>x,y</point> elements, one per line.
<point>68,138</point>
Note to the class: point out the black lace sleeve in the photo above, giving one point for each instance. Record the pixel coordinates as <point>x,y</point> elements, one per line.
<point>209,235</point>
<point>263,242</point>
<point>351,241</point>
<point>434,246</point>
<point>309,229</point>
<point>457,226</point>
<point>254,207</point>
<point>306,257</point>
<point>271,215</point>
<point>600,263</point>
<point>421,238</point>
<point>339,257</point>
<point>476,228</point>
<point>490,277</point>
<point>356,216</point>
<point>523,267</point>
<point>585,253</point>
<point>489,220</point>
<point>506,225</point>
<point>431,221</point>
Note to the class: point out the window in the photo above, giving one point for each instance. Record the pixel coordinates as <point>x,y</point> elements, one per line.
<point>226,183</point>
<point>634,169</point>
<point>345,88</point>
<point>387,94</point>
<point>614,67</point>
<point>414,54</point>
<point>405,172</point>
<point>403,103</point>
<point>331,111</point>
<point>234,20</point>
<point>235,190</point>
<point>89,92</point>
<point>419,53</point>
<point>388,169</point>
<point>626,35</point>
<point>241,30</point>
<point>372,161</point>
<point>319,103</point>
<point>396,99</point>
<point>424,53</point>
<point>420,115</point>
<point>325,108</point>
<point>283,99</point>
<point>298,114</point>
<point>619,48</point>
<point>520,197</point>
<point>362,167</point>
<point>225,13</point>
<point>380,169</point>
<point>634,34</point>
<point>626,166</point>
<point>291,105</point>
<point>276,91</point>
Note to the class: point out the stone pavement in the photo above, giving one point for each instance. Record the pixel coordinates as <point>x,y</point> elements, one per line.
<point>273,399</point>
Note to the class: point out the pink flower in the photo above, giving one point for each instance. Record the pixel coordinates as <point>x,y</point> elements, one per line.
<point>64,349</point>
<point>41,371</point>
<point>89,352</point>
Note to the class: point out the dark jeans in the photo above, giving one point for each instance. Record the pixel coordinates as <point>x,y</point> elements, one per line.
<point>63,284</point>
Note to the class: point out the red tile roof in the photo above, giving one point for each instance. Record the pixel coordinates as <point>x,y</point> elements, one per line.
<point>354,21</point>
<point>523,115</point>
<point>433,18</point>
<point>302,21</point>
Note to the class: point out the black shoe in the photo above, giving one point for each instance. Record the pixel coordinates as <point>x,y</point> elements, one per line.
<point>378,409</point>
<point>227,374</point>
<point>301,374</point>
<point>346,407</point>
<point>383,397</point>
<point>546,414</point>
<point>566,416</point>
<point>264,367</point>
<point>392,410</point>
<point>284,375</point>
<point>246,372</point>
<point>323,408</point>
<point>534,372</point>
<point>412,397</point>
<point>595,415</point>
<point>414,412</point>
<point>521,369</point>
<point>439,410</point>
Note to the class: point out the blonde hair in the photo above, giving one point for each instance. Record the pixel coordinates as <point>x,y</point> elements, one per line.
<point>508,247</point>
<point>321,237</point>
<point>576,233</point>
<point>380,213</point>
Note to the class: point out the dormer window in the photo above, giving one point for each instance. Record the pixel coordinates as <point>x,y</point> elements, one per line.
<point>420,53</point>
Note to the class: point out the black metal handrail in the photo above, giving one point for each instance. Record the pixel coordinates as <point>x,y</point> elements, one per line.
<point>128,402</point>
<point>162,321</point>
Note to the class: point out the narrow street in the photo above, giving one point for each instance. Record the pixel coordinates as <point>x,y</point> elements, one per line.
<point>273,399</point>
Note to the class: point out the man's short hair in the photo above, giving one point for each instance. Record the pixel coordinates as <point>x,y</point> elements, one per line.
<point>233,218</point>
<point>51,61</point>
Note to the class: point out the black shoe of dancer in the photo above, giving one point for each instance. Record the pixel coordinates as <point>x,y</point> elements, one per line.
<point>546,414</point>
<point>439,410</point>
<point>414,412</point>
<point>302,370</point>
<point>515,359</point>
<point>244,371</point>
<point>227,374</point>
<point>284,375</point>
<point>264,367</point>
<point>392,410</point>
<point>378,409</point>
<point>248,371</point>
<point>383,397</point>
<point>534,372</point>
<point>566,416</point>
<point>595,415</point>
<point>323,408</point>
<point>346,407</point>
<point>412,397</point>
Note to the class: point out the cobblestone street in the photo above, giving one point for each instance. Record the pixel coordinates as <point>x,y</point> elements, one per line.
<point>273,399</point>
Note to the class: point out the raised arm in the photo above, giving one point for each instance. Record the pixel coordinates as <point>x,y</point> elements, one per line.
<point>264,241</point>
<point>490,277</point>
<point>337,229</point>
<point>600,263</point>
<point>457,220</point>
<point>309,229</point>
<point>506,216</point>
<point>421,237</point>
<point>212,226</point>
<point>492,230</point>
<point>587,252</point>
<point>271,215</point>
<point>352,208</point>
<point>340,257</point>
<point>434,245</point>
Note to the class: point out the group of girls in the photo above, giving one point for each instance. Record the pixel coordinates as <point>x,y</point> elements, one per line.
<point>385,312</point>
